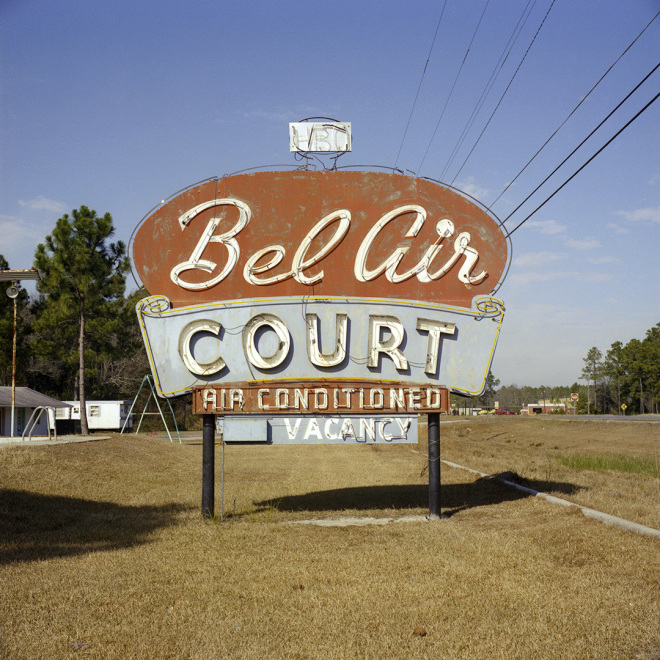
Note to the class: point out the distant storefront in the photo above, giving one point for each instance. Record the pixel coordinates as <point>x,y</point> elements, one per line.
<point>543,408</point>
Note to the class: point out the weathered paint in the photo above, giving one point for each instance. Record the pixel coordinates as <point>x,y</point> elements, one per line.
<point>326,429</point>
<point>333,280</point>
<point>336,397</point>
<point>347,233</point>
<point>385,340</point>
<point>320,137</point>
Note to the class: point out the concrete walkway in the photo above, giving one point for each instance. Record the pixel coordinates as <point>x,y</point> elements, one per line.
<point>44,440</point>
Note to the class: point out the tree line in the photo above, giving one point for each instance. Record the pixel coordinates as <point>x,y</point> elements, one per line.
<point>79,338</point>
<point>626,378</point>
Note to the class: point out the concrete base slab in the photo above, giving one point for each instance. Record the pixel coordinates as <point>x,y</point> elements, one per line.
<point>45,440</point>
<point>349,521</point>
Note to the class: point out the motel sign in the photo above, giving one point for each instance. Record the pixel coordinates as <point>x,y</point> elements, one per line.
<point>319,278</point>
<point>332,306</point>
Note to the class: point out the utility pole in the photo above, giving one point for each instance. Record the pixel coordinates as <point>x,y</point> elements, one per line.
<point>15,277</point>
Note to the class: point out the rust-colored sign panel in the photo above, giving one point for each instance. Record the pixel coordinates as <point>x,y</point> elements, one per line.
<point>356,234</point>
<point>319,397</point>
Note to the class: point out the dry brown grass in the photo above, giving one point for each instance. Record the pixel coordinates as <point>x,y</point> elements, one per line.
<point>531,447</point>
<point>103,553</point>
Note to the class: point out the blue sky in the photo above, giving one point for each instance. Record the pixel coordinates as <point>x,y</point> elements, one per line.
<point>117,105</point>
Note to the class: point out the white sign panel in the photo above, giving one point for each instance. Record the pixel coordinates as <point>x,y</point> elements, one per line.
<point>325,429</point>
<point>320,137</point>
<point>320,338</point>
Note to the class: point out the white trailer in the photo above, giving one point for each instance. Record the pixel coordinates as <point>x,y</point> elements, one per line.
<point>106,415</point>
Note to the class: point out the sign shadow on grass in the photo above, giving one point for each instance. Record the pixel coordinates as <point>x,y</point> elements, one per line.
<point>485,491</point>
<point>34,526</point>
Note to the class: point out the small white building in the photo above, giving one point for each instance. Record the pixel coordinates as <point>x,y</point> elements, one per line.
<point>106,415</point>
<point>543,408</point>
<point>25,402</point>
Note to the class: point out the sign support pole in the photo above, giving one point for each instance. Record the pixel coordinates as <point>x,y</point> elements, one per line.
<point>208,466</point>
<point>13,376</point>
<point>434,465</point>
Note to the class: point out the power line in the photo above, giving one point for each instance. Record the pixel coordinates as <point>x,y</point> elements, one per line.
<point>505,91</point>
<point>574,109</point>
<point>420,84</point>
<point>491,81</point>
<point>454,85</point>
<point>623,128</point>
<point>632,91</point>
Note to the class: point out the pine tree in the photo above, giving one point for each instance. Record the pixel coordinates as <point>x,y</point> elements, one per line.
<point>82,278</point>
<point>613,367</point>
<point>592,371</point>
<point>651,368</point>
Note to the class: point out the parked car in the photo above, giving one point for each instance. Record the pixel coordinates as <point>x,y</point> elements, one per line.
<point>504,411</point>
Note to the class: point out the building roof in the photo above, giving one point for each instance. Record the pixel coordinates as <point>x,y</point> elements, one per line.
<point>28,398</point>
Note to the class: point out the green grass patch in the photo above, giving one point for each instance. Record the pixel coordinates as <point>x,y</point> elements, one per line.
<point>608,463</point>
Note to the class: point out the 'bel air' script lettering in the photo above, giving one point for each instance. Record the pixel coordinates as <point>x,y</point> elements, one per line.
<point>272,255</point>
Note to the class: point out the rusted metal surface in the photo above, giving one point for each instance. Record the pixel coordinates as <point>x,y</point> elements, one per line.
<point>338,397</point>
<point>355,234</point>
